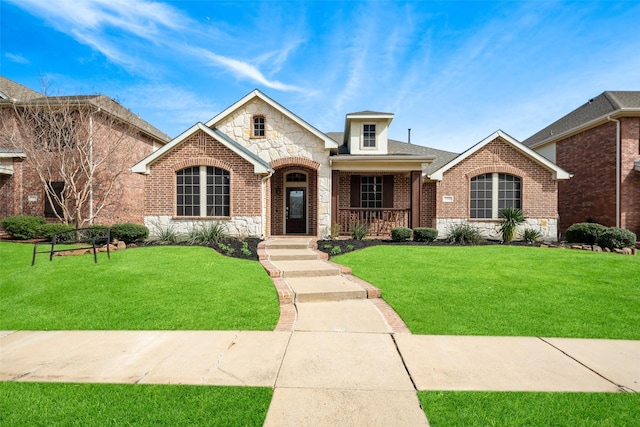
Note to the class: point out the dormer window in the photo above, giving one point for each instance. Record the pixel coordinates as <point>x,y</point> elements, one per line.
<point>258,130</point>
<point>369,136</point>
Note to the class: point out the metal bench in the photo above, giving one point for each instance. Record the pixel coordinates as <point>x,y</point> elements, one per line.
<point>86,238</point>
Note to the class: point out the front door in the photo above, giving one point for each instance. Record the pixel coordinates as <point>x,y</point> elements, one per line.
<point>296,211</point>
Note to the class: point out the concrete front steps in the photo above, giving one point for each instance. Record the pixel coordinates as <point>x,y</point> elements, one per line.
<point>307,272</point>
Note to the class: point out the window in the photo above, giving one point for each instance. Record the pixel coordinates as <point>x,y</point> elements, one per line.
<point>258,130</point>
<point>369,136</point>
<point>492,192</point>
<point>55,191</point>
<point>190,194</point>
<point>296,177</point>
<point>371,192</point>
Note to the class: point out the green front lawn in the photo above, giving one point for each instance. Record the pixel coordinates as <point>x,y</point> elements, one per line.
<point>505,290</point>
<point>480,409</point>
<point>150,288</point>
<point>49,404</point>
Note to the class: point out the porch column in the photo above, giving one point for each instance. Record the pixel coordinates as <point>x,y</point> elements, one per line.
<point>416,198</point>
<point>335,198</point>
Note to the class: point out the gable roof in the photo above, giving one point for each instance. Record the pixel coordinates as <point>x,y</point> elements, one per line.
<point>12,93</point>
<point>328,142</point>
<point>593,113</point>
<point>558,172</point>
<point>259,165</point>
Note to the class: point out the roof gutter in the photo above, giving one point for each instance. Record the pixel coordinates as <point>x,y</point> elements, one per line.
<point>617,169</point>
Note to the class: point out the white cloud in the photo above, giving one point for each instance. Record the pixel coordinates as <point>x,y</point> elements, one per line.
<point>18,59</point>
<point>141,23</point>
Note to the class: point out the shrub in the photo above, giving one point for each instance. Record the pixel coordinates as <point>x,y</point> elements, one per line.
<point>207,234</point>
<point>167,234</point>
<point>245,249</point>
<point>424,234</point>
<point>335,231</point>
<point>359,230</point>
<point>617,238</point>
<point>23,227</point>
<point>584,232</point>
<point>463,234</point>
<point>336,250</point>
<point>129,232</point>
<point>48,230</point>
<point>400,233</point>
<point>510,218</point>
<point>531,235</point>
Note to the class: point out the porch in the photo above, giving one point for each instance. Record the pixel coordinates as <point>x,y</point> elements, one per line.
<point>379,222</point>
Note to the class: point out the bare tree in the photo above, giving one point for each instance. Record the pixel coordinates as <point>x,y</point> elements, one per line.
<point>77,141</point>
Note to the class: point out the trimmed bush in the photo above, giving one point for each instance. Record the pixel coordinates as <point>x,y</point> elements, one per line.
<point>48,230</point>
<point>23,227</point>
<point>400,233</point>
<point>424,234</point>
<point>463,234</point>
<point>584,232</point>
<point>129,232</point>
<point>617,238</point>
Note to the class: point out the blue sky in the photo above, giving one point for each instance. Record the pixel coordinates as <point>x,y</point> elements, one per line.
<point>453,72</point>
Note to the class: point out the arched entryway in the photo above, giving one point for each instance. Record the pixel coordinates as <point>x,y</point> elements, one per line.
<point>294,198</point>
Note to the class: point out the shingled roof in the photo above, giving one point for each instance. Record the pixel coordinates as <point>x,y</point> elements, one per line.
<point>595,110</point>
<point>12,93</point>
<point>399,148</point>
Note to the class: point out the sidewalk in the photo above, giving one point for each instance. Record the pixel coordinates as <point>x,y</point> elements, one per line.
<point>341,356</point>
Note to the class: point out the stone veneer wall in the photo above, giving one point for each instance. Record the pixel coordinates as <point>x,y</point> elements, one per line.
<point>284,139</point>
<point>539,190</point>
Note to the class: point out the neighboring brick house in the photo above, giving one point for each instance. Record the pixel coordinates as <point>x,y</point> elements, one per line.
<point>263,171</point>
<point>599,143</point>
<point>21,190</point>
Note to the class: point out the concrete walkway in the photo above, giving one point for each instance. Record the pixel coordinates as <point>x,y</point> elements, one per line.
<point>340,355</point>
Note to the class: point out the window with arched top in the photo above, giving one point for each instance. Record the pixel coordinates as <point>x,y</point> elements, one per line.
<point>203,191</point>
<point>492,192</point>
<point>258,129</point>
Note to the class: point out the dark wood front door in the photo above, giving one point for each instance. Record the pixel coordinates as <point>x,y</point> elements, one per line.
<point>296,211</point>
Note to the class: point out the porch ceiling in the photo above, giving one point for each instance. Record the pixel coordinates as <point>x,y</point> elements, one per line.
<point>380,163</point>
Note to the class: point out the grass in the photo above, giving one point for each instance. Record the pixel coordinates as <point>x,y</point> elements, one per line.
<point>151,288</point>
<point>470,409</point>
<point>49,404</point>
<point>506,290</point>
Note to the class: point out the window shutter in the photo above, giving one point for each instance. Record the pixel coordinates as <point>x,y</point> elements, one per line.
<point>355,191</point>
<point>387,191</point>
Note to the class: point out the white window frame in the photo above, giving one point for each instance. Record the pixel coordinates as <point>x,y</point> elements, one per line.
<point>495,195</point>
<point>366,136</point>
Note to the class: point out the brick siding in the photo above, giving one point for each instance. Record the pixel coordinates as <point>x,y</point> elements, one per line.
<point>539,190</point>
<point>202,150</point>
<point>590,195</point>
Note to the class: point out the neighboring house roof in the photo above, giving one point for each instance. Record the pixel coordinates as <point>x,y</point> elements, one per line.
<point>328,142</point>
<point>12,93</point>
<point>637,166</point>
<point>259,165</point>
<point>557,171</point>
<point>594,113</point>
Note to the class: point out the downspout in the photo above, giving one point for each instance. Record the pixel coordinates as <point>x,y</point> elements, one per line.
<point>618,161</point>
<point>263,212</point>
